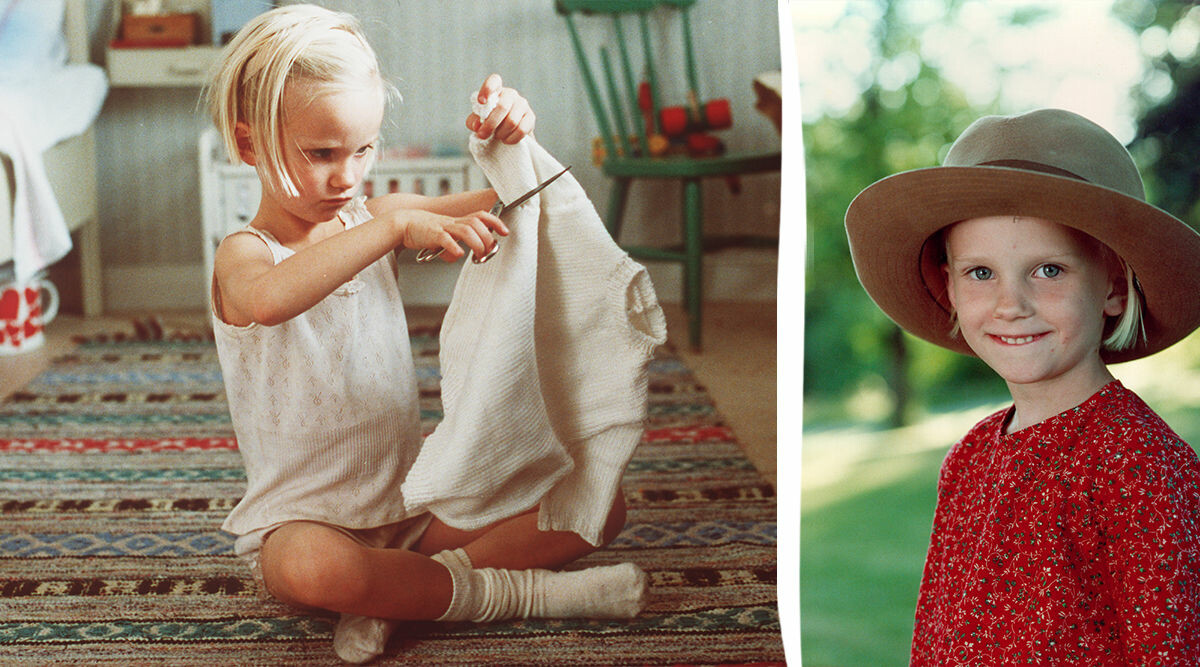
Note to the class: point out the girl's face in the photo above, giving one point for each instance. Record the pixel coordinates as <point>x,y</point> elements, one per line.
<point>329,137</point>
<point>1031,297</point>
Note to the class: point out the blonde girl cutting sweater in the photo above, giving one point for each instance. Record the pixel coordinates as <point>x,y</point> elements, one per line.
<point>324,405</point>
<point>543,352</point>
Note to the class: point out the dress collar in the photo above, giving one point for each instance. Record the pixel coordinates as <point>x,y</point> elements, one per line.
<point>1070,418</point>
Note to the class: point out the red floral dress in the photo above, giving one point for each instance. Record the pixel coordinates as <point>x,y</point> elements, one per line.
<point>1075,541</point>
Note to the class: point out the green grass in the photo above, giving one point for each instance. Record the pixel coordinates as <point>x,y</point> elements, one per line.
<point>861,560</point>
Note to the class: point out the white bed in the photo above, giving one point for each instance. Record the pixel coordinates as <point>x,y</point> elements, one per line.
<point>70,162</point>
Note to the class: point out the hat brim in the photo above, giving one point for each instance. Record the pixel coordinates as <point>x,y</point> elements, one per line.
<point>889,223</point>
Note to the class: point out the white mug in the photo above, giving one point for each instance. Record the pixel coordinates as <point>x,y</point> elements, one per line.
<point>25,310</point>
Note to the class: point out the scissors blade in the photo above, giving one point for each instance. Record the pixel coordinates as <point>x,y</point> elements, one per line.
<point>427,255</point>
<point>521,200</point>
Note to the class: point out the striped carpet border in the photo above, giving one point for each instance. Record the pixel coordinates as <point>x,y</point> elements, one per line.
<point>13,506</point>
<point>677,435</point>
<point>217,543</point>
<point>751,619</point>
<point>225,586</point>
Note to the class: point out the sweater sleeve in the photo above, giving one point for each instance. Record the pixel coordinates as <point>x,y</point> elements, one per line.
<point>1149,524</point>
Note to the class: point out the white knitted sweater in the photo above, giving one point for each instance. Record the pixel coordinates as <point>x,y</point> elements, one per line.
<point>544,352</point>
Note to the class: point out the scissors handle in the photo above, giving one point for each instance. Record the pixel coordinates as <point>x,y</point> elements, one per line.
<point>426,255</point>
<point>498,209</point>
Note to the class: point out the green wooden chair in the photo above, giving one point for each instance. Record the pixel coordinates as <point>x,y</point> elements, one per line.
<point>625,150</point>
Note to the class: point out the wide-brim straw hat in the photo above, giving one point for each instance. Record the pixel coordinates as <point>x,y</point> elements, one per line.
<point>1050,164</point>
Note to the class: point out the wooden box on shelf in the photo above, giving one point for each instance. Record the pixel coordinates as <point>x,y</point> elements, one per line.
<point>158,30</point>
<point>161,50</point>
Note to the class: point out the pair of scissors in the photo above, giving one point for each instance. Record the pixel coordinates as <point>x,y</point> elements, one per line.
<point>498,210</point>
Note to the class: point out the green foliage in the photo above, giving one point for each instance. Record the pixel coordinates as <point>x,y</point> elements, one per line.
<point>1028,15</point>
<point>946,379</point>
<point>849,342</point>
<point>1168,136</point>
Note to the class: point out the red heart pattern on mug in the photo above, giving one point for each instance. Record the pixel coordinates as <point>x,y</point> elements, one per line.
<point>10,301</point>
<point>23,314</point>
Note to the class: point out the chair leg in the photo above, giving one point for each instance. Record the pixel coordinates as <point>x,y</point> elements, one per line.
<point>616,206</point>
<point>91,279</point>
<point>693,234</point>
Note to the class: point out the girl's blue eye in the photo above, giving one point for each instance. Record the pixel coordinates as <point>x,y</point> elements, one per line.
<point>981,273</point>
<point>1050,270</point>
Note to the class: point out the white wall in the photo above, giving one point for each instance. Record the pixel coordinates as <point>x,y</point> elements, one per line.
<point>437,52</point>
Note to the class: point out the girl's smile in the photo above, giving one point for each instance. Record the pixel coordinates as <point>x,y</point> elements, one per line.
<point>1008,340</point>
<point>1031,297</point>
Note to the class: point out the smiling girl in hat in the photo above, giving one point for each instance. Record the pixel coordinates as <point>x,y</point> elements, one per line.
<point>1067,528</point>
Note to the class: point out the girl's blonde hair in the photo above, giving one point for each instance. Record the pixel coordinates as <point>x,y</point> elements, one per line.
<point>1128,327</point>
<point>275,48</point>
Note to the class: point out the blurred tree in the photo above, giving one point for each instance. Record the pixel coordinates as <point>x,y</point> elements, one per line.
<point>1168,138</point>
<point>899,123</point>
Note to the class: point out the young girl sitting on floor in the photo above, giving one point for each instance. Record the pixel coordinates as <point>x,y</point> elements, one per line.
<point>1067,528</point>
<point>318,368</point>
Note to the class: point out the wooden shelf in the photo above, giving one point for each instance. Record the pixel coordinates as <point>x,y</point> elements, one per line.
<point>160,67</point>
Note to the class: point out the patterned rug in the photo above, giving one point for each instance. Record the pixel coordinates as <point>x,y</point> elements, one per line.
<point>117,466</point>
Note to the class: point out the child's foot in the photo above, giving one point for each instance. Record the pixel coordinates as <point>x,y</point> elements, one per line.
<point>360,639</point>
<point>614,591</point>
<point>487,594</point>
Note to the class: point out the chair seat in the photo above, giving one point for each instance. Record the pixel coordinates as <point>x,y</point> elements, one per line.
<point>684,166</point>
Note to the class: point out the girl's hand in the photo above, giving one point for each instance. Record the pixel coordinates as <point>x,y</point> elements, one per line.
<point>426,230</point>
<point>512,118</point>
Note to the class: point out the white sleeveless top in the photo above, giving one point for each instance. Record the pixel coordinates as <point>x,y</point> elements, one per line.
<point>324,405</point>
